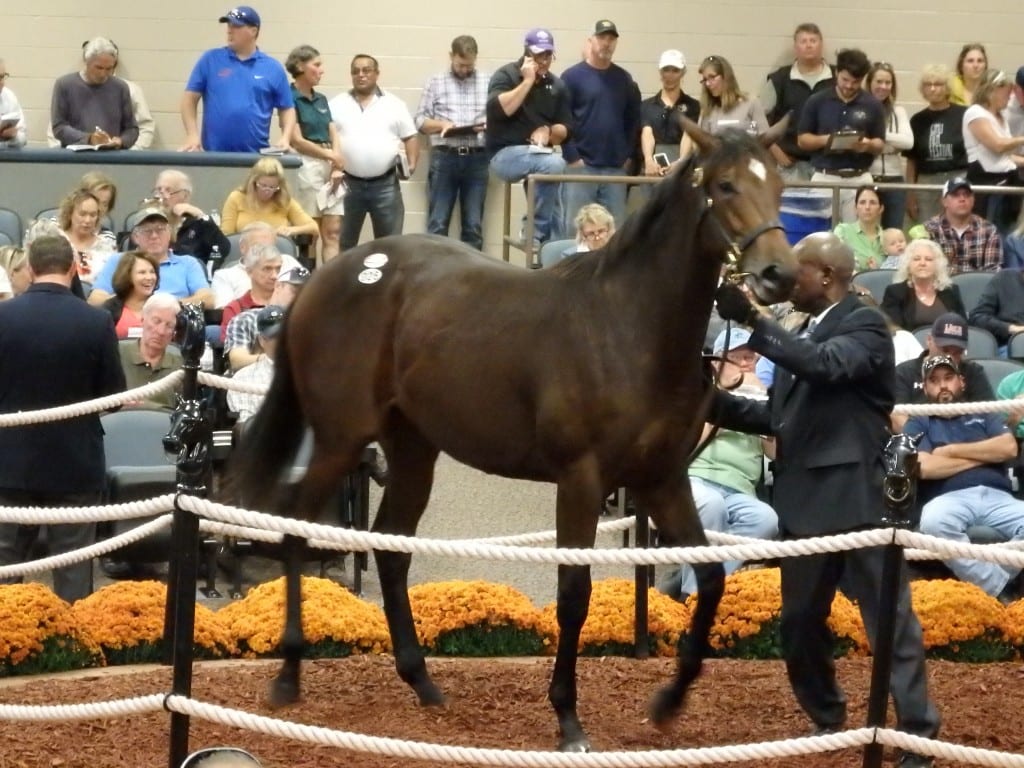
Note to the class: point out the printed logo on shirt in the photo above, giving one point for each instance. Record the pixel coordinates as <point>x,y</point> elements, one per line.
<point>226,72</point>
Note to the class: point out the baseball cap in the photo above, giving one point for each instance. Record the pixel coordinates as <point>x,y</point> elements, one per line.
<point>605,27</point>
<point>672,58</point>
<point>738,337</point>
<point>269,320</point>
<point>241,16</point>
<point>954,184</point>
<point>950,330</point>
<point>295,275</point>
<point>936,361</point>
<point>150,212</point>
<point>1019,79</point>
<point>539,40</point>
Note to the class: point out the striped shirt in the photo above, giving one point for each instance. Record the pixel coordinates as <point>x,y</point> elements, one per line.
<point>461,102</point>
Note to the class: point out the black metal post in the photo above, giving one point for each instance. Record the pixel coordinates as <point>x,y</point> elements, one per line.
<point>641,641</point>
<point>191,437</point>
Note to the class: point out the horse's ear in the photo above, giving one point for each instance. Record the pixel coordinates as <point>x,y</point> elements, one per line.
<point>705,141</point>
<point>776,132</point>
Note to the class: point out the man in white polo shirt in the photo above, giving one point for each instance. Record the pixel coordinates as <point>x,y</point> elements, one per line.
<point>374,126</point>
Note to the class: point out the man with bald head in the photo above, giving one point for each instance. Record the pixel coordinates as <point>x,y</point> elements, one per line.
<point>829,412</point>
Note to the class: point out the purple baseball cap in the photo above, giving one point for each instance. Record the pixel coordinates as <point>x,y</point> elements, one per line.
<point>539,40</point>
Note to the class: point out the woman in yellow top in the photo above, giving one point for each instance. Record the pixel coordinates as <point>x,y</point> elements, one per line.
<point>264,197</point>
<point>970,66</point>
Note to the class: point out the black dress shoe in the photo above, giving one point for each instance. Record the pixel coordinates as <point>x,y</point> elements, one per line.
<point>914,760</point>
<point>826,730</point>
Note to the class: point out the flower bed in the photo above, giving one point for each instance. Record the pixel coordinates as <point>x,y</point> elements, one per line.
<point>39,633</point>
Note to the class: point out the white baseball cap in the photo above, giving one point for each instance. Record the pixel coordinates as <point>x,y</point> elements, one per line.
<point>672,58</point>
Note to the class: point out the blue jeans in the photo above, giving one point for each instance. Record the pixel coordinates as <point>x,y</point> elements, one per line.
<point>727,510</point>
<point>578,194</point>
<point>950,515</point>
<point>381,198</point>
<point>452,176</point>
<point>515,164</point>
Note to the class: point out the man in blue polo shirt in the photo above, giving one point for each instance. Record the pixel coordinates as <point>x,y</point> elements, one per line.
<point>843,129</point>
<point>240,87</point>
<point>181,276</point>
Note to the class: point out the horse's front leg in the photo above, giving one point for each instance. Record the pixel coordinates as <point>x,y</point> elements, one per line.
<point>285,687</point>
<point>673,511</point>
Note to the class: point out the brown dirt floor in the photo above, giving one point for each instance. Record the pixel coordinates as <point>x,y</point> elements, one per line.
<point>492,703</point>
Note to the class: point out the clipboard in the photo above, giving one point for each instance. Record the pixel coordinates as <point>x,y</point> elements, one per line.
<point>843,141</point>
<point>462,130</point>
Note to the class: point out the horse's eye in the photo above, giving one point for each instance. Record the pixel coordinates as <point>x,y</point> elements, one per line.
<point>727,187</point>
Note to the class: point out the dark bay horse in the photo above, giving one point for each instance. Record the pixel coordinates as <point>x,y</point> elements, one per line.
<point>587,375</point>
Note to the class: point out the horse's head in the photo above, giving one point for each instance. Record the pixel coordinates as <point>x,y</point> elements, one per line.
<point>743,191</point>
<point>190,332</point>
<point>902,470</point>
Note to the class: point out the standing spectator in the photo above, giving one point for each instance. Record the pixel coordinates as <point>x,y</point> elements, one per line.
<point>135,279</point>
<point>938,153</point>
<point>963,477</point>
<point>1015,110</point>
<point>57,350</point>
<point>269,321</point>
<point>887,167</point>
<point>970,67</point>
<point>1000,310</point>
<point>864,236</point>
<point>193,232</point>
<point>827,481</point>
<point>374,126</point>
<point>93,106</point>
<point>12,135</point>
<point>661,131</point>
<point>528,115</point>
<point>263,264</point>
<point>846,108</point>
<point>971,243</point>
<point>722,103</point>
<point>151,357</point>
<point>787,91</point>
<point>456,99</point>
<point>605,104</point>
<point>240,87</point>
<point>264,196</point>
<point>319,190</point>
<point>921,288</point>
<point>15,276</point>
<point>994,157</point>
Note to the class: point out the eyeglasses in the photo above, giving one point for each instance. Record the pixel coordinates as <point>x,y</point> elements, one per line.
<point>999,78</point>
<point>363,70</point>
<point>159,229</point>
<point>267,187</point>
<point>166,192</point>
<point>883,65</point>
<point>936,84</point>
<point>597,234</point>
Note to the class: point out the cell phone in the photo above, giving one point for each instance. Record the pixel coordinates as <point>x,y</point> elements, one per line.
<point>662,160</point>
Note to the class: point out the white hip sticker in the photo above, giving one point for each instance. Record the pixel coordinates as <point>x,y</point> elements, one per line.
<point>757,168</point>
<point>375,260</point>
<point>368,276</point>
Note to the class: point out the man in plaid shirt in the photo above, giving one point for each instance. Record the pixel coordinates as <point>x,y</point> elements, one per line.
<point>971,243</point>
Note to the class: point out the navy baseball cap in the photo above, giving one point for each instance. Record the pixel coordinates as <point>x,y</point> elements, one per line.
<point>269,320</point>
<point>950,330</point>
<point>539,40</point>
<point>241,16</point>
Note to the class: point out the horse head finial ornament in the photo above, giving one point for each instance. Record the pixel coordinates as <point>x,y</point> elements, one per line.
<point>902,470</point>
<point>190,437</point>
<point>742,190</point>
<point>190,333</point>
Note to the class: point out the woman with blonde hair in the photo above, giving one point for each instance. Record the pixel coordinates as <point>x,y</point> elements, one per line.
<point>264,196</point>
<point>970,67</point>
<point>79,221</point>
<point>15,277</point>
<point>104,189</point>
<point>887,167</point>
<point>722,104</point>
<point>922,288</point>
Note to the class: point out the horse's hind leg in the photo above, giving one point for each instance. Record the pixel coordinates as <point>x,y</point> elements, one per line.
<point>674,513</point>
<point>411,460</point>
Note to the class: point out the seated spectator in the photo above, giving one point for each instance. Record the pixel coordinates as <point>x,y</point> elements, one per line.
<point>181,276</point>
<point>1013,247</point>
<point>938,154</point>
<point>263,265</point>
<point>193,232</point>
<point>240,343</point>
<point>905,345</point>
<point>948,337</point>
<point>269,321</point>
<point>13,136</point>
<point>971,243</point>
<point>1011,387</point>
<point>15,276</point>
<point>230,283</point>
<point>724,476</point>
<point>150,357</point>
<point>104,189</point>
<point>922,288</point>
<point>722,104</point>
<point>135,279</point>
<point>79,220</point>
<point>894,243</point>
<point>93,106</point>
<point>864,235</point>
<point>1000,310</point>
<point>963,477</point>
<point>264,197</point>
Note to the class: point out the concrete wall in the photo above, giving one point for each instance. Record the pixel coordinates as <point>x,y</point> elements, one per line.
<point>159,42</point>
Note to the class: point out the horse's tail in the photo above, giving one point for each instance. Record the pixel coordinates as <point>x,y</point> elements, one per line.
<point>272,437</point>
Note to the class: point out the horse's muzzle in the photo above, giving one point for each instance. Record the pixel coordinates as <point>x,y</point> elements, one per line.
<point>773,284</point>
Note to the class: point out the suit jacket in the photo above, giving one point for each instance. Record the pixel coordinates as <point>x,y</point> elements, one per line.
<point>898,303</point>
<point>829,410</point>
<point>56,350</point>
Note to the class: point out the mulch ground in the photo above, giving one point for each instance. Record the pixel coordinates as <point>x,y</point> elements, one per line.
<point>492,703</point>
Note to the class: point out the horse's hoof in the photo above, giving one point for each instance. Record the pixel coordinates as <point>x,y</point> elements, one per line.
<point>431,696</point>
<point>577,744</point>
<point>283,693</point>
<point>665,707</point>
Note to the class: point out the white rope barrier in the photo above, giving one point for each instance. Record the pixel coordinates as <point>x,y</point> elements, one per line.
<point>66,713</point>
<point>103,513</point>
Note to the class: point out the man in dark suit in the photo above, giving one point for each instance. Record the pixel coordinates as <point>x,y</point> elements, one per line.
<point>56,350</point>
<point>829,411</point>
